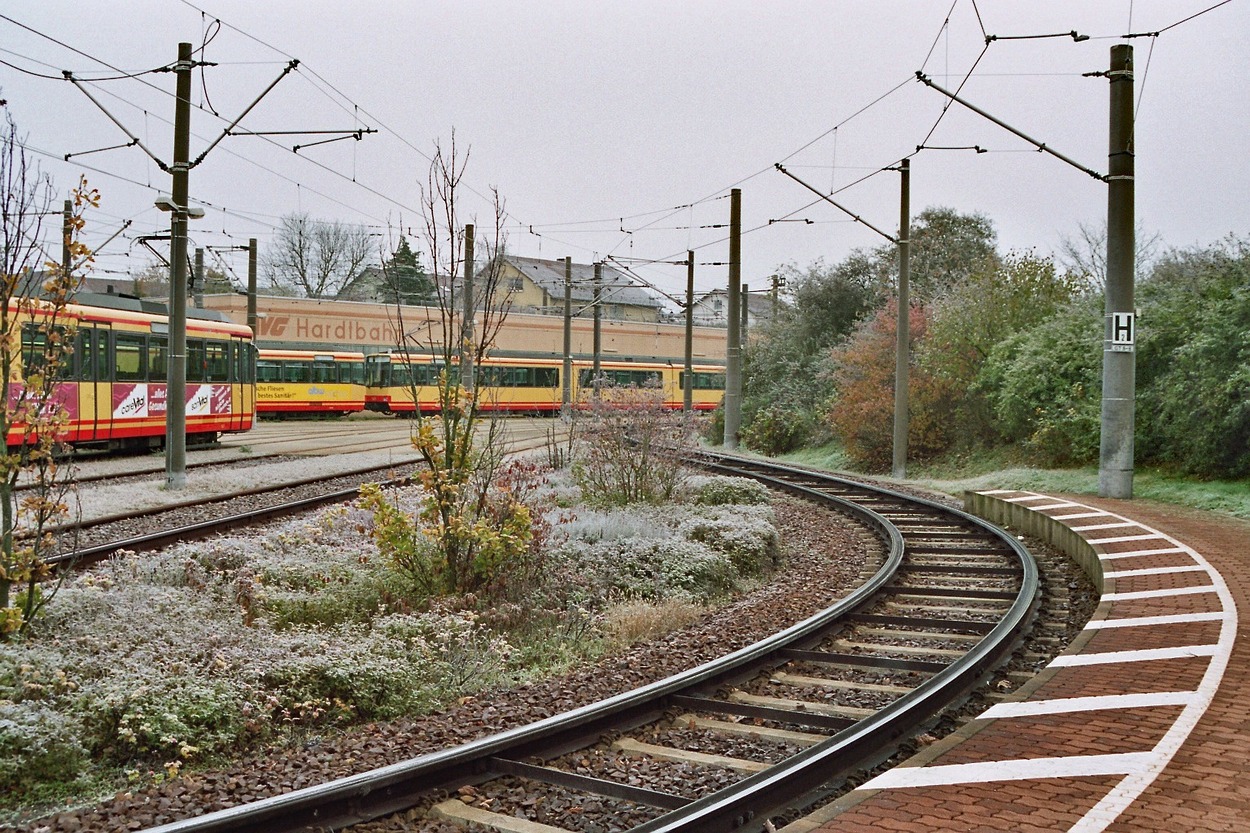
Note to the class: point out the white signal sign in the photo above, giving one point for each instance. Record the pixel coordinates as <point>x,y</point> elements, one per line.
<point>1123,332</point>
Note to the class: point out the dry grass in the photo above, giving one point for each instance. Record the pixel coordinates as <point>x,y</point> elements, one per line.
<point>636,621</point>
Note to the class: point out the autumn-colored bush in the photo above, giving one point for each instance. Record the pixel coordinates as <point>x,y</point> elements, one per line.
<point>862,416</point>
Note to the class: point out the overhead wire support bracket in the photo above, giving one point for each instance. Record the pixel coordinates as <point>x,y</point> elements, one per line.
<point>134,140</point>
<point>356,133</point>
<point>835,204</point>
<point>1041,146</point>
<point>1075,35</point>
<point>129,144</point>
<point>110,239</point>
<point>294,62</point>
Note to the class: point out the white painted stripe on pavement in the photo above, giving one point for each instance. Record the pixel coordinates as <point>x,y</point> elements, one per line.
<point>1078,515</point>
<point>998,492</point>
<point>1026,498</point>
<point>1159,594</point>
<point>1066,705</point>
<point>1154,571</point>
<point>1140,655</point>
<point>1106,811</point>
<point>1147,621</point>
<point>1093,527</point>
<point>1076,766</point>
<point>1108,556</point>
<point>1063,505</point>
<point>1123,538</point>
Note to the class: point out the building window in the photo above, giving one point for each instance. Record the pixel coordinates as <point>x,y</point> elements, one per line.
<point>516,284</point>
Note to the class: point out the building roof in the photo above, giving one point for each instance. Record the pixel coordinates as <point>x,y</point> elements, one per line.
<point>758,303</point>
<point>618,288</point>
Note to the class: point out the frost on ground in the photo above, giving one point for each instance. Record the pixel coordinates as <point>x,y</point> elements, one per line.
<point>145,664</point>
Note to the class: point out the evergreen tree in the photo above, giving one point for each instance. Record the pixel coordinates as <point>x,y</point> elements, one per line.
<point>404,278</point>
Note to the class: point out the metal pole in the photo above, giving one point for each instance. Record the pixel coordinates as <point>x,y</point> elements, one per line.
<point>176,384</point>
<point>253,320</point>
<point>733,352</point>
<point>746,319</point>
<point>566,378</point>
<point>198,281</point>
<point>598,339</point>
<point>466,347</point>
<point>902,347</point>
<point>67,232</point>
<point>1115,468</point>
<point>687,395</point>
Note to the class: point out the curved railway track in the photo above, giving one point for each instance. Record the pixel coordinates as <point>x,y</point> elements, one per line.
<point>952,598</point>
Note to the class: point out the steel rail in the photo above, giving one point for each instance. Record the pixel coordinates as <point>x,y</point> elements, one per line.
<point>743,806</point>
<point>370,795</point>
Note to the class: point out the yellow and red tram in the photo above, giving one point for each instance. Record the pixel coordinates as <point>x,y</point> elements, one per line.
<point>525,385</point>
<point>294,383</point>
<point>112,388</point>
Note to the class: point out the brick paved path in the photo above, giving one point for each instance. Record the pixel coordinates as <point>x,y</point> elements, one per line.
<point>1142,725</point>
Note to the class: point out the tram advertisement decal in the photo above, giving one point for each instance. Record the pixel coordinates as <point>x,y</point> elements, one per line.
<point>64,399</point>
<point>139,400</point>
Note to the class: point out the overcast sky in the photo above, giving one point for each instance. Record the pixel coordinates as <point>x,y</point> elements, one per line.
<point>618,129</point>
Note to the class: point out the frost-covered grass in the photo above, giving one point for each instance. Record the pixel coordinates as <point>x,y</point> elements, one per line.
<point>147,664</point>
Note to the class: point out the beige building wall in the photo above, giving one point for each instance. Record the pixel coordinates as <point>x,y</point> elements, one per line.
<point>304,323</point>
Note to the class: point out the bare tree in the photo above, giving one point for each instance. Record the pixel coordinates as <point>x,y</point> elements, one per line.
<point>479,532</point>
<point>317,258</point>
<point>36,346</point>
<point>1085,253</point>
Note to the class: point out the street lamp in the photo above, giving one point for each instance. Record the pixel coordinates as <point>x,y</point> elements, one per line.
<point>166,203</point>
<point>176,381</point>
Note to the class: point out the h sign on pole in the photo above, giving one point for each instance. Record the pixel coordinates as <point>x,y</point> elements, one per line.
<point>1123,326</point>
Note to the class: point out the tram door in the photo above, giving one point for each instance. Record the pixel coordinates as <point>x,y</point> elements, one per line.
<point>95,392</point>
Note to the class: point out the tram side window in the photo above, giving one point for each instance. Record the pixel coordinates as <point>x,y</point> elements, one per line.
<point>195,360</point>
<point>268,370</point>
<point>352,373</point>
<point>702,380</point>
<point>546,377</point>
<point>158,359</point>
<point>35,351</point>
<point>84,355</point>
<point>296,372</point>
<point>91,355</point>
<point>216,362</point>
<point>421,375</point>
<point>129,354</point>
<point>324,372</point>
<point>247,363</point>
<point>622,378</point>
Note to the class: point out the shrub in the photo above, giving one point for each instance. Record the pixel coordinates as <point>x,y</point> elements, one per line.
<point>775,430</point>
<point>719,490</point>
<point>653,569</point>
<point>862,414</point>
<point>1046,389</point>
<point>38,744</point>
<point>163,717</point>
<point>749,540</point>
<point>627,449</point>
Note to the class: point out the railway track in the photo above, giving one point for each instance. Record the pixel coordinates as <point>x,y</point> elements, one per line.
<point>201,517</point>
<point>951,600</point>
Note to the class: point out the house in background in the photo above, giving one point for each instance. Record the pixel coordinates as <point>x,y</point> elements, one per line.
<point>712,309</point>
<point>537,286</point>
